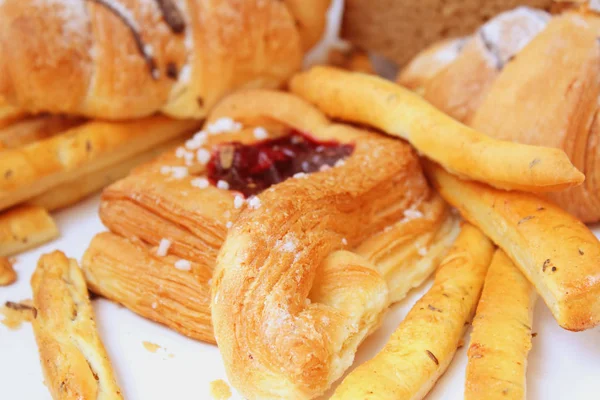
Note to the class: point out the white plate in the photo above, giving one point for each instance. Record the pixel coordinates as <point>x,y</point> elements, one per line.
<point>562,365</point>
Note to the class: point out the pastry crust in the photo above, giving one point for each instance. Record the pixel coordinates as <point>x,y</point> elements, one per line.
<point>8,275</point>
<point>422,347</point>
<point>25,227</point>
<point>557,253</point>
<point>34,129</point>
<point>148,207</point>
<point>291,300</point>
<point>371,100</point>
<point>501,336</point>
<point>143,61</point>
<point>131,273</point>
<point>34,169</point>
<point>73,358</point>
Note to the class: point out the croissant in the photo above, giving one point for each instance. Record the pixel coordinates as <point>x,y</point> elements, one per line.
<point>117,59</point>
<point>530,78</point>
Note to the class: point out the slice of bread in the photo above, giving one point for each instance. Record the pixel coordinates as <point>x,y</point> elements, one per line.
<point>398,29</point>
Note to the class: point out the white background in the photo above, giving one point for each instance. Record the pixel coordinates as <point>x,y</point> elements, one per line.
<point>562,365</point>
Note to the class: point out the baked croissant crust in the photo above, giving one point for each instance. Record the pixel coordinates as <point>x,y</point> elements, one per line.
<point>116,59</point>
<point>407,227</point>
<point>531,78</point>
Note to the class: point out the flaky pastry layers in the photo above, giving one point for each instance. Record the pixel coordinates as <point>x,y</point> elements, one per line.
<point>302,279</point>
<point>119,59</point>
<point>386,220</point>
<point>529,78</point>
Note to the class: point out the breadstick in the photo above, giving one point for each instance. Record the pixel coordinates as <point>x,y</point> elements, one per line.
<point>33,129</point>
<point>555,251</point>
<point>73,358</point>
<point>34,169</point>
<point>25,227</point>
<point>7,273</point>
<point>71,192</point>
<point>376,102</point>
<point>151,285</point>
<point>501,336</point>
<point>422,347</point>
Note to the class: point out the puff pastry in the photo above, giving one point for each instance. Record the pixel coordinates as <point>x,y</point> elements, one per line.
<point>178,57</point>
<point>422,347</point>
<point>557,253</point>
<point>300,280</point>
<point>74,361</point>
<point>152,207</point>
<point>25,227</point>
<point>501,336</point>
<point>371,100</point>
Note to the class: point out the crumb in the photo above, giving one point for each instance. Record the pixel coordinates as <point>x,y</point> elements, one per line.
<point>171,355</point>
<point>151,347</point>
<point>17,313</point>
<point>220,390</point>
<point>7,273</point>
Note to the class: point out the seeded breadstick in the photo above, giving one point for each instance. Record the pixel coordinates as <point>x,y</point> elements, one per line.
<point>25,227</point>
<point>74,361</point>
<point>501,336</point>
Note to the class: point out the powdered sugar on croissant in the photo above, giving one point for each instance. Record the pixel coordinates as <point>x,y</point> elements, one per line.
<point>130,58</point>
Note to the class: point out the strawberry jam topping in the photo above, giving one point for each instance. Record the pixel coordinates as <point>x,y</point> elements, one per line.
<point>252,168</point>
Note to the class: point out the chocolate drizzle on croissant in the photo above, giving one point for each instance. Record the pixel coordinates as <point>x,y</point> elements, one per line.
<point>172,15</point>
<point>120,11</point>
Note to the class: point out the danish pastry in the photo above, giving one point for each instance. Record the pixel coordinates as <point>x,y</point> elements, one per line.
<point>122,59</point>
<point>371,100</point>
<point>169,218</point>
<point>498,84</point>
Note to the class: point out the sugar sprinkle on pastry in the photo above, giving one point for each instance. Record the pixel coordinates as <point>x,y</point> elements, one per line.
<point>200,183</point>
<point>183,265</point>
<point>260,133</point>
<point>203,156</point>
<point>254,202</point>
<point>223,125</point>
<point>238,201</point>
<point>223,185</point>
<point>163,247</point>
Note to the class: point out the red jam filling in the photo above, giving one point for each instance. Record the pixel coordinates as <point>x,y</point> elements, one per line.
<point>250,169</point>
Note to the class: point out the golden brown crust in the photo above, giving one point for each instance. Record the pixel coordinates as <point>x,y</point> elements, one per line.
<point>181,70</point>
<point>25,227</point>
<point>73,358</point>
<point>33,169</point>
<point>34,129</point>
<point>71,192</point>
<point>501,336</point>
<point>423,345</point>
<point>131,274</point>
<point>8,275</point>
<point>555,251</point>
<point>371,100</point>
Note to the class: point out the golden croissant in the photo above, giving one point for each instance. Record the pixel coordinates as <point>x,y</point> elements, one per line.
<point>116,59</point>
<point>528,77</point>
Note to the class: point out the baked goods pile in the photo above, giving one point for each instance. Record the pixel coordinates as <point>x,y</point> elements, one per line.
<point>285,226</point>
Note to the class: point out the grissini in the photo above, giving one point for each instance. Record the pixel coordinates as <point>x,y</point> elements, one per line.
<point>25,227</point>
<point>178,57</point>
<point>501,336</point>
<point>33,129</point>
<point>384,105</point>
<point>422,347</point>
<point>73,358</point>
<point>557,253</point>
<point>28,171</point>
